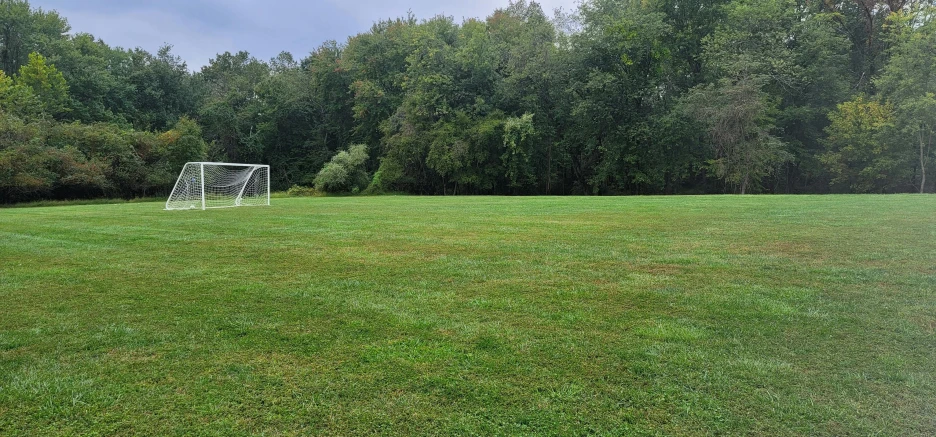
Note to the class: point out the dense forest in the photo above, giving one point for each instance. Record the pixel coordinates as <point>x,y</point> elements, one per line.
<point>617,97</point>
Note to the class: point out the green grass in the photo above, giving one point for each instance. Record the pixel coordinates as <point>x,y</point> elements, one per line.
<point>394,315</point>
<point>44,203</point>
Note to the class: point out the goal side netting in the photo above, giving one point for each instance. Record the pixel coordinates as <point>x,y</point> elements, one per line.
<point>203,185</point>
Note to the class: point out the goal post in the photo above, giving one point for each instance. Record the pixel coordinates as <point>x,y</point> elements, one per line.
<point>203,185</point>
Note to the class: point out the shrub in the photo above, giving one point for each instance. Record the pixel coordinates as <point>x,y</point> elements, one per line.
<point>345,172</point>
<point>301,191</point>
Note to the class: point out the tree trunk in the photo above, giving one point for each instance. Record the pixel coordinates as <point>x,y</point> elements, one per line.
<point>922,163</point>
<point>230,147</point>
<point>548,166</point>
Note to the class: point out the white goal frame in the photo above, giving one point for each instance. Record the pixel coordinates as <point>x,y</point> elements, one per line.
<point>223,185</point>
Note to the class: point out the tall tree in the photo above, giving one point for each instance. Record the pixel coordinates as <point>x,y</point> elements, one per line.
<point>47,84</point>
<point>24,30</point>
<point>18,99</point>
<point>518,135</point>
<point>445,130</point>
<point>621,67</point>
<point>860,154</point>
<point>377,61</point>
<point>736,115</point>
<point>753,62</point>
<point>98,78</point>
<point>305,115</point>
<point>533,82</point>
<point>163,92</point>
<point>232,103</point>
<point>909,81</point>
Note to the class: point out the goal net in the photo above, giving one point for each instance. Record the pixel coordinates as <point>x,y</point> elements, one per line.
<point>203,185</point>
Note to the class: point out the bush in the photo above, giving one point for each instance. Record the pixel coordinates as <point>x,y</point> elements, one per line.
<point>184,143</point>
<point>46,159</point>
<point>301,191</point>
<point>345,172</point>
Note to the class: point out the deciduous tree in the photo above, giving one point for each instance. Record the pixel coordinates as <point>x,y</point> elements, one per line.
<point>47,84</point>
<point>909,81</point>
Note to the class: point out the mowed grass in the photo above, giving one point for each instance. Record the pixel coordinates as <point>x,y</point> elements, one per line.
<point>749,315</point>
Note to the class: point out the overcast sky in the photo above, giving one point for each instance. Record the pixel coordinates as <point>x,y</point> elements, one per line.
<point>200,29</point>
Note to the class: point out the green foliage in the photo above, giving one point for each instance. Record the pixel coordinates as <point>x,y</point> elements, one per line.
<point>752,63</point>
<point>231,108</point>
<point>184,143</point>
<point>97,77</point>
<point>42,158</point>
<point>301,115</point>
<point>18,99</point>
<point>442,136</point>
<point>30,168</point>
<point>24,30</point>
<point>345,172</point>
<point>378,61</point>
<point>736,116</point>
<point>301,191</point>
<point>386,177</point>
<point>618,88</point>
<point>163,90</point>
<point>518,140</point>
<point>630,98</point>
<point>861,155</point>
<point>46,83</point>
<point>909,82</point>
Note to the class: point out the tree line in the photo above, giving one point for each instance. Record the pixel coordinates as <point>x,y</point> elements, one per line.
<point>616,97</point>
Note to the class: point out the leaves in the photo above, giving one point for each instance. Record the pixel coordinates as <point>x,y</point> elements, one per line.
<point>909,82</point>
<point>629,97</point>
<point>345,172</point>
<point>46,83</point>
<point>735,114</point>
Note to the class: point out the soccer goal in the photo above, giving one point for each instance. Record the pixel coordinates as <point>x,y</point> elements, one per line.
<point>203,185</point>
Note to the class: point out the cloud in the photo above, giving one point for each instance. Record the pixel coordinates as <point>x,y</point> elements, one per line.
<point>150,30</point>
<point>366,12</point>
<point>200,29</point>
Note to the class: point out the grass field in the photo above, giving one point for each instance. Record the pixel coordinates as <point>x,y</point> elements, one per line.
<point>472,316</point>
